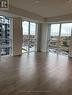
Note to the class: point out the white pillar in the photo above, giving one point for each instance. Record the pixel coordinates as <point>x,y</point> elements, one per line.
<point>44,37</point>
<point>17,36</point>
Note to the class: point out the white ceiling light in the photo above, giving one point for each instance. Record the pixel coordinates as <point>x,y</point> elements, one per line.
<point>37,1</point>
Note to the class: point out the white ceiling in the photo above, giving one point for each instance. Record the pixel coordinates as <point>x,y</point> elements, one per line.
<point>45,8</point>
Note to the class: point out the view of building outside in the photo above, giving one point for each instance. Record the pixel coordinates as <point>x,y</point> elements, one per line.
<point>5,41</point>
<point>65,37</point>
<point>29,37</point>
<point>60,40</point>
<point>54,36</point>
<point>25,27</point>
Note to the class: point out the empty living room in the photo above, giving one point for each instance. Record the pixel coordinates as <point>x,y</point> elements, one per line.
<point>35,47</point>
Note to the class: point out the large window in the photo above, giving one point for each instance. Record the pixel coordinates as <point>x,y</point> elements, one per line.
<point>55,30</point>
<point>5,39</point>
<point>29,36</point>
<point>25,26</point>
<point>54,36</point>
<point>65,34</point>
<point>60,37</point>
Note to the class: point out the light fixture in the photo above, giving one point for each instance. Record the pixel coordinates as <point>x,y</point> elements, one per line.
<point>37,1</point>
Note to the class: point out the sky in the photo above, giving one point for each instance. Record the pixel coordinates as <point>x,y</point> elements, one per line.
<point>65,29</point>
<point>25,25</point>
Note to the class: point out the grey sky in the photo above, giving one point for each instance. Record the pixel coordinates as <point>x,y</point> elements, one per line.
<point>25,26</point>
<point>65,29</point>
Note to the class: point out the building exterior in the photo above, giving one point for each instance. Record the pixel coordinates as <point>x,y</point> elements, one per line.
<point>4,35</point>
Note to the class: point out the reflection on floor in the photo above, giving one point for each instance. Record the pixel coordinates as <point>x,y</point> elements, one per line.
<point>58,51</point>
<point>36,74</point>
<point>26,49</point>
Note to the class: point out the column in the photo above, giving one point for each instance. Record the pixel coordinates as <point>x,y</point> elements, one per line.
<point>38,30</point>
<point>44,37</point>
<point>17,36</point>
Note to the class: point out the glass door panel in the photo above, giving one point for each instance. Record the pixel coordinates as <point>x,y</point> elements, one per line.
<point>29,36</point>
<point>32,37</point>
<point>65,35</point>
<point>25,26</point>
<point>54,37</point>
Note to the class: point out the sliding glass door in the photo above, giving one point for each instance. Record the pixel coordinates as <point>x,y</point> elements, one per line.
<point>29,36</point>
<point>60,37</point>
<point>54,37</point>
<point>25,45</point>
<point>65,34</point>
<point>32,37</point>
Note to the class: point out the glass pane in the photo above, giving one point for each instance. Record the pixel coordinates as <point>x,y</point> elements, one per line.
<point>32,28</point>
<point>5,40</point>
<point>29,39</point>
<point>25,26</point>
<point>66,30</point>
<point>55,30</point>
<point>32,37</point>
<point>65,37</point>
<point>54,36</point>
